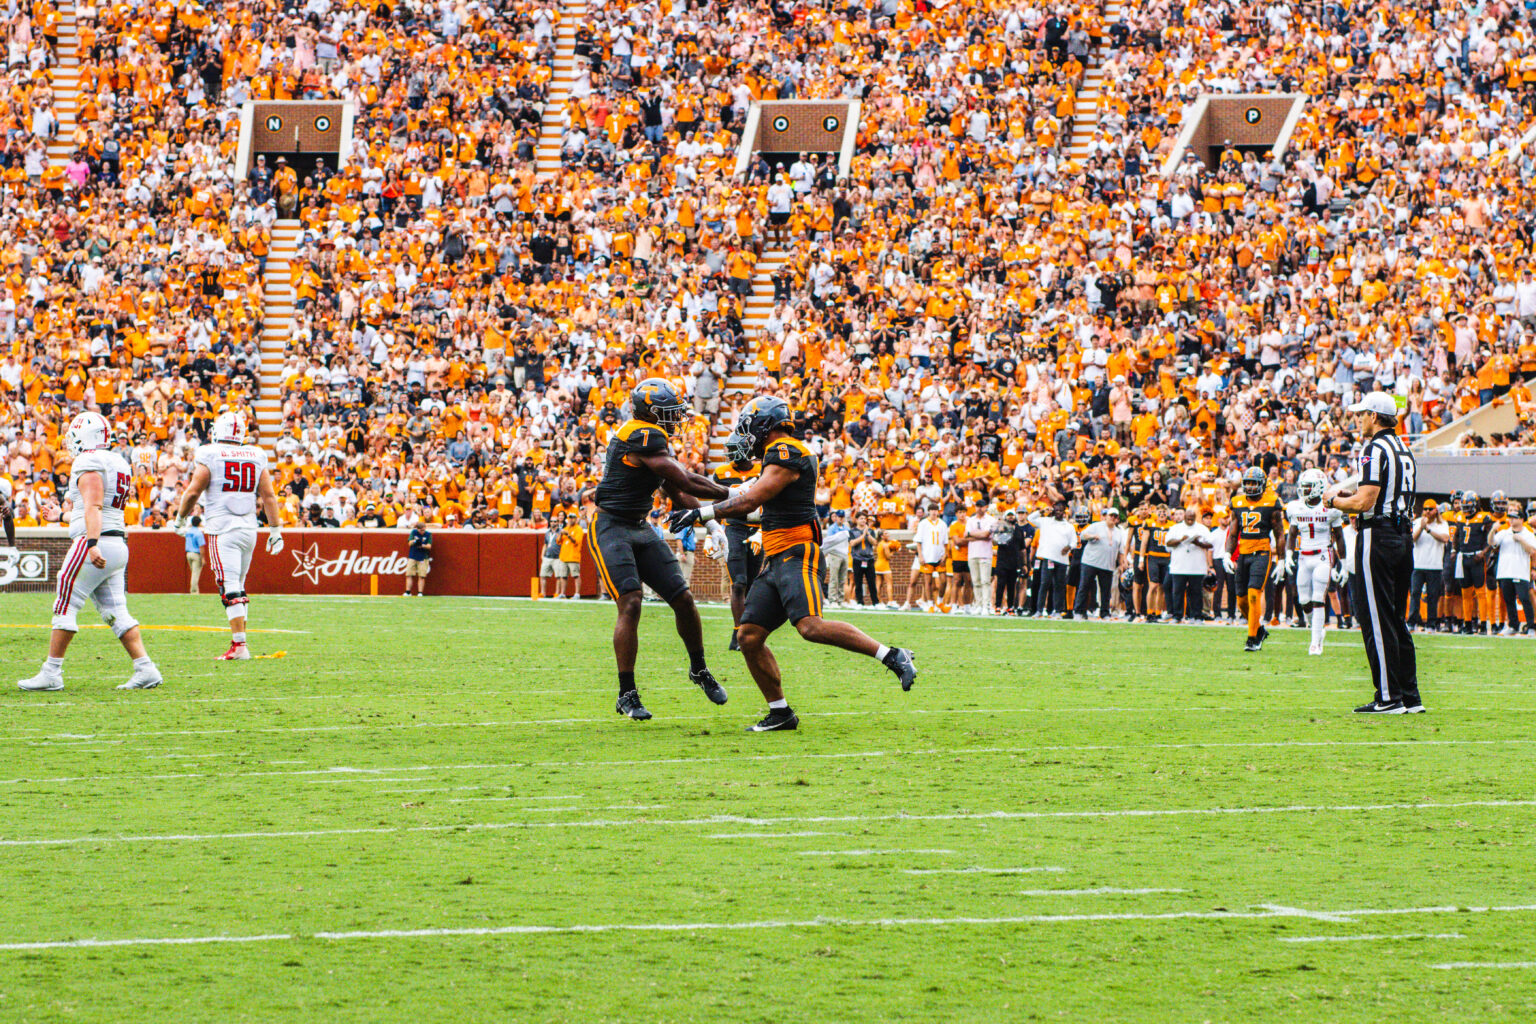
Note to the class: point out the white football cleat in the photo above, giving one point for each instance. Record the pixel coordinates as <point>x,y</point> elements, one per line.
<point>1315,648</point>
<point>236,652</point>
<point>44,680</point>
<point>143,679</point>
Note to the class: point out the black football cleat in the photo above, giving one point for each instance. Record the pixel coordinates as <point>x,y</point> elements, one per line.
<point>778,720</point>
<point>1377,707</point>
<point>1263,635</point>
<point>1251,645</point>
<point>705,681</point>
<point>902,662</point>
<point>629,705</point>
<point>735,644</point>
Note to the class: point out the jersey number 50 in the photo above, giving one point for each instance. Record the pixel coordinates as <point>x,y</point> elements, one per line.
<point>240,476</point>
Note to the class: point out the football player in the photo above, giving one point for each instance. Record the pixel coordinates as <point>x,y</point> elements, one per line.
<point>1256,544</point>
<point>629,554</point>
<point>232,479</point>
<point>100,482</point>
<point>789,587</point>
<point>741,562</point>
<point>1473,528</point>
<point>1316,532</point>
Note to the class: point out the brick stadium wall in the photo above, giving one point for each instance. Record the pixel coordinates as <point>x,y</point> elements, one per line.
<point>300,129</point>
<point>1227,118</point>
<point>805,131</point>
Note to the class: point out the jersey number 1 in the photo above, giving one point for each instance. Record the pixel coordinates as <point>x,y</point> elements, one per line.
<point>240,476</point>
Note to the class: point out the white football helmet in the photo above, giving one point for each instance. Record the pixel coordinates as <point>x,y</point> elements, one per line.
<point>87,433</point>
<point>229,428</point>
<point>1311,485</point>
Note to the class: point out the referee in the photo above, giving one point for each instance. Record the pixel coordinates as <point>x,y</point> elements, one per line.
<point>1384,556</point>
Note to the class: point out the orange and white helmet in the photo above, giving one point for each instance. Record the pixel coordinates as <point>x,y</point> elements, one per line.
<point>229,428</point>
<point>87,432</point>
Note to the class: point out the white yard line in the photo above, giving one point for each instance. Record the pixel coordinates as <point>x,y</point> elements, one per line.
<point>1102,890</point>
<point>1368,938</point>
<point>1473,965</point>
<point>362,774</point>
<point>868,853</point>
<point>807,923</point>
<point>731,819</point>
<point>981,871</point>
<point>770,835</point>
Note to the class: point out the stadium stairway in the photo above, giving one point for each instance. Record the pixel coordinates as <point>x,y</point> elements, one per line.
<point>66,86</point>
<point>739,385</point>
<point>1085,116</point>
<point>278,297</point>
<point>546,156</point>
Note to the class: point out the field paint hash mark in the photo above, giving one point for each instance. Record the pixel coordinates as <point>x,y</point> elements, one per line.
<point>1102,890</point>
<point>476,799</point>
<point>1473,965</point>
<point>163,629</point>
<point>1311,915</point>
<point>868,853</point>
<point>770,835</point>
<point>733,819</point>
<point>1368,938</point>
<point>816,922</point>
<point>981,871</point>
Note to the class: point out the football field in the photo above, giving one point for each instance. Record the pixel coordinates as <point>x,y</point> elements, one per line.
<point>428,810</point>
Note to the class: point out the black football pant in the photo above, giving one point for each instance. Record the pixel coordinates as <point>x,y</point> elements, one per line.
<point>1517,590</point>
<point>1093,582</point>
<point>1006,592</point>
<point>1383,567</point>
<point>1187,598</point>
<point>1428,585</point>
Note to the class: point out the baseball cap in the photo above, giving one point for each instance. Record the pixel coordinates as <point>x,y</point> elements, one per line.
<point>1378,402</point>
<point>1431,503</point>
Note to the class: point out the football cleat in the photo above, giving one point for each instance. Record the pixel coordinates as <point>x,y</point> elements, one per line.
<point>142,679</point>
<point>1377,707</point>
<point>904,663</point>
<point>778,719</point>
<point>1251,645</point>
<point>629,705</point>
<point>1315,648</point>
<point>44,680</point>
<point>236,652</point>
<point>705,680</point>
<point>1263,635</point>
<point>735,644</point>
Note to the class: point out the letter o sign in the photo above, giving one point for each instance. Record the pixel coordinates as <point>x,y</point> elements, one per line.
<point>781,123</point>
<point>322,123</point>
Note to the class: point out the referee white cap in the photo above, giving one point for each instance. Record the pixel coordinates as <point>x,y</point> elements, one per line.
<point>1378,402</point>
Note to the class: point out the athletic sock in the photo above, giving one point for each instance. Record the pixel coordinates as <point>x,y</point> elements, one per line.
<point>1317,625</point>
<point>1255,616</point>
<point>626,682</point>
<point>881,652</point>
<point>238,638</point>
<point>774,705</point>
<point>144,662</point>
<point>54,664</point>
<point>696,661</point>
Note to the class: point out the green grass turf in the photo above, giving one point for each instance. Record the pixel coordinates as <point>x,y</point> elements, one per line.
<point>474,745</point>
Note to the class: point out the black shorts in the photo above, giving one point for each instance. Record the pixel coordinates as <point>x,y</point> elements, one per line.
<point>629,554</point>
<point>1157,571</point>
<point>773,218</point>
<point>742,562</point>
<point>1139,576</point>
<point>1253,570</point>
<point>959,568</point>
<point>1074,574</point>
<point>788,588</point>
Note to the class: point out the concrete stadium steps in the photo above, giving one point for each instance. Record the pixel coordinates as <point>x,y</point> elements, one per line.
<point>552,126</point>
<point>66,86</point>
<point>277,319</point>
<point>1085,119</point>
<point>754,315</point>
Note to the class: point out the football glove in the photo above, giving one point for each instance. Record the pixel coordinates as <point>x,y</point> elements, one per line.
<point>717,540</point>
<point>682,518</point>
<point>179,525</point>
<point>1290,563</point>
<point>275,542</point>
<point>1279,573</point>
<point>1339,575</point>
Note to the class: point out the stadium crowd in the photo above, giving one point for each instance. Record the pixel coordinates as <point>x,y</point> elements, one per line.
<point>970,318</point>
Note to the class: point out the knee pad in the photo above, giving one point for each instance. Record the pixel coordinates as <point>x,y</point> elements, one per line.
<point>118,620</point>
<point>234,598</point>
<point>237,609</point>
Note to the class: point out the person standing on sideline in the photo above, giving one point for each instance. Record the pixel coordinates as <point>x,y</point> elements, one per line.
<point>418,559</point>
<point>929,541</point>
<point>1189,559</point>
<point>834,546</point>
<point>1383,555</point>
<point>195,541</point>
<point>1010,558</point>
<point>1057,538</point>
<point>1514,545</point>
<point>979,527</point>
<point>1101,553</point>
<point>861,544</point>
<point>1430,536</point>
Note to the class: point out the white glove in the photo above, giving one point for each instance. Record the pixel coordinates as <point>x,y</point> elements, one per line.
<point>1279,573</point>
<point>1339,575</point>
<point>755,516</point>
<point>275,542</point>
<point>179,525</point>
<point>1290,564</point>
<point>716,540</point>
<point>711,549</point>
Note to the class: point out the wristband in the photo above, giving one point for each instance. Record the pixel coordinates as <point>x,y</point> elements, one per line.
<point>706,513</point>
<point>91,542</point>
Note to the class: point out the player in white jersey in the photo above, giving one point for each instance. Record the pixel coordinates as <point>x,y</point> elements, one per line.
<point>99,486</point>
<point>232,479</point>
<point>1316,532</point>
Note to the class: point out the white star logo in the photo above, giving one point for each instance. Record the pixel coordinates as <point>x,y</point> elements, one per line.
<point>309,562</point>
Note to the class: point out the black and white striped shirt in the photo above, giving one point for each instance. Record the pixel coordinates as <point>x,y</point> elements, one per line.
<point>1387,463</point>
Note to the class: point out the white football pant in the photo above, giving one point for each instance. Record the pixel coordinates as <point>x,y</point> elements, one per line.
<point>1312,578</point>
<point>79,580</point>
<point>230,553</point>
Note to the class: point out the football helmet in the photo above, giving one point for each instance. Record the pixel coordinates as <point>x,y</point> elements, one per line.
<point>229,428</point>
<point>1498,502</point>
<point>759,416</point>
<point>1254,481</point>
<point>87,432</point>
<point>1311,485</point>
<point>1470,502</point>
<point>657,401</point>
<point>1081,516</point>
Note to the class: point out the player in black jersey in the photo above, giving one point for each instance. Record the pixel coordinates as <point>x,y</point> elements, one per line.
<point>1473,528</point>
<point>742,563</point>
<point>629,554</point>
<point>789,587</point>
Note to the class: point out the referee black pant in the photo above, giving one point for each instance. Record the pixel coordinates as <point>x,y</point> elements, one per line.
<point>1093,581</point>
<point>1426,585</point>
<point>1383,566</point>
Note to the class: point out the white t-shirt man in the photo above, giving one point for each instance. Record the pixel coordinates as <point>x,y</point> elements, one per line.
<point>1186,555</point>
<point>932,539</point>
<point>1514,548</point>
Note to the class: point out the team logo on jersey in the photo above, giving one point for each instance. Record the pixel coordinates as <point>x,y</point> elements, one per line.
<point>311,565</point>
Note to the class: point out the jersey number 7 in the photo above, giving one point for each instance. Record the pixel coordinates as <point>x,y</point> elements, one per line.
<point>240,476</point>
